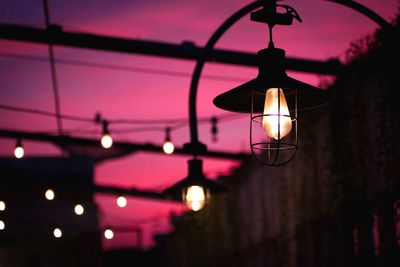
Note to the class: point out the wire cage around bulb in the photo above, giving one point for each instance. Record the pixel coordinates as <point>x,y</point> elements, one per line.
<point>273,125</point>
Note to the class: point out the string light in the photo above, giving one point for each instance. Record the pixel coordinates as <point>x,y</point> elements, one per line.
<point>108,234</point>
<point>106,139</point>
<point>122,202</point>
<point>2,205</point>
<point>19,150</point>
<point>79,210</point>
<point>177,122</point>
<point>2,225</point>
<point>49,194</point>
<point>57,233</point>
<point>168,146</point>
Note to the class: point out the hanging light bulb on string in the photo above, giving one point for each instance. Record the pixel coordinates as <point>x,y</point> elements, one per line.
<point>121,201</point>
<point>2,205</point>
<point>49,194</point>
<point>2,225</point>
<point>108,233</point>
<point>19,150</point>
<point>106,139</point>
<point>79,209</point>
<point>57,232</point>
<point>168,146</point>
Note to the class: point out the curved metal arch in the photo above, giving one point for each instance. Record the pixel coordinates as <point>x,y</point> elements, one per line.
<point>200,64</point>
<point>194,139</point>
<point>364,11</point>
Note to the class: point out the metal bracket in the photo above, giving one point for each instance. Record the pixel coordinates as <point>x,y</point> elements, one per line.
<point>272,17</point>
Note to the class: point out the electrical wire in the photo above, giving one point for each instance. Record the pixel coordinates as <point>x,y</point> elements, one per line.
<point>45,113</point>
<point>175,123</point>
<point>53,72</point>
<point>81,63</point>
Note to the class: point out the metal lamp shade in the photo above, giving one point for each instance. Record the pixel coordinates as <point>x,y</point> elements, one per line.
<point>250,97</point>
<point>272,74</point>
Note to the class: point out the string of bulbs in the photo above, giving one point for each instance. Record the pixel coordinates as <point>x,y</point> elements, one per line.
<point>106,140</point>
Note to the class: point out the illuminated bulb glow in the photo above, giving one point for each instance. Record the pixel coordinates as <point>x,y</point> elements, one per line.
<point>195,198</point>
<point>19,152</point>
<point>2,205</point>
<point>49,194</point>
<point>108,234</point>
<point>57,233</point>
<point>168,147</point>
<point>106,141</point>
<point>270,123</point>
<point>122,202</point>
<point>2,225</point>
<point>79,210</point>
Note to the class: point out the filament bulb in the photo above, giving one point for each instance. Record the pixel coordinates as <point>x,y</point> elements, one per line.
<point>79,209</point>
<point>57,233</point>
<point>122,201</point>
<point>168,147</point>
<point>276,122</point>
<point>106,141</point>
<point>195,197</point>
<point>19,150</point>
<point>108,233</point>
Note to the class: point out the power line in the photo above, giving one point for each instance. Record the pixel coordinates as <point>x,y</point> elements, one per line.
<point>45,113</point>
<point>81,63</point>
<point>116,121</point>
<point>53,72</point>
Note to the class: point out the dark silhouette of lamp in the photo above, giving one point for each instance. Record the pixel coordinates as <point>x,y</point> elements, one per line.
<point>195,190</point>
<point>273,99</point>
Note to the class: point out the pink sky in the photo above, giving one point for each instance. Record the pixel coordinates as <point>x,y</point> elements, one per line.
<point>326,32</point>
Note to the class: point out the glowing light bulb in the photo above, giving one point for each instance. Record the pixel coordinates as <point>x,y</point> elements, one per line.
<point>109,234</point>
<point>2,205</point>
<point>2,225</point>
<point>79,210</point>
<point>168,147</point>
<point>270,122</point>
<point>57,233</point>
<point>195,198</point>
<point>106,140</point>
<point>49,194</point>
<point>121,201</point>
<point>19,151</point>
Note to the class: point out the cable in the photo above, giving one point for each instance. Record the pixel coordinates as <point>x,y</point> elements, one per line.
<point>119,67</point>
<point>53,72</point>
<point>179,122</point>
<point>45,113</point>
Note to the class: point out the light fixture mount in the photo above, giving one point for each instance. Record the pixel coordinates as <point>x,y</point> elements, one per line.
<point>269,15</point>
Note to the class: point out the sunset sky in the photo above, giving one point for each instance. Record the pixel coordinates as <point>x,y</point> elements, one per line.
<point>326,32</point>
